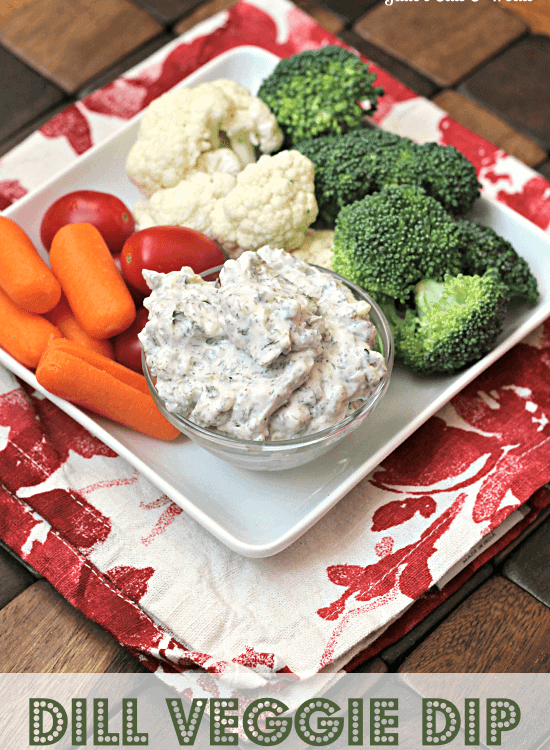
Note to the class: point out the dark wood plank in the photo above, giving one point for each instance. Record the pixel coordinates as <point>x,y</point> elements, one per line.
<point>529,565</point>
<point>471,639</point>
<point>41,632</point>
<point>443,41</point>
<point>24,94</point>
<point>544,169</point>
<point>515,85</point>
<point>324,17</point>
<point>204,11</point>
<point>347,10</point>
<point>168,11</point>
<point>505,553</point>
<point>475,117</point>
<point>400,70</point>
<point>125,663</point>
<point>373,666</point>
<point>19,560</point>
<point>398,651</point>
<point>26,130</point>
<point>70,43</point>
<point>14,577</point>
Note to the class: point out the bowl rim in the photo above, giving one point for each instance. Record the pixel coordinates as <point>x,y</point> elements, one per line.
<point>385,339</point>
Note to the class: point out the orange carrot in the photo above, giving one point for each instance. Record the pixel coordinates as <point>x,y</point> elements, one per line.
<point>62,317</point>
<point>92,283</point>
<point>24,276</point>
<point>24,334</point>
<point>103,386</point>
<point>98,361</point>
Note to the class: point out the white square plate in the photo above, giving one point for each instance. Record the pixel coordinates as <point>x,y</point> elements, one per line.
<point>259,514</point>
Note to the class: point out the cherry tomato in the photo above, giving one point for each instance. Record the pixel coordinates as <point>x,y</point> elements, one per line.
<point>165,249</point>
<point>137,296</point>
<point>127,346</point>
<point>106,212</point>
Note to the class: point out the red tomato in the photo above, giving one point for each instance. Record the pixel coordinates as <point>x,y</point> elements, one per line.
<point>127,346</point>
<point>137,296</point>
<point>106,212</point>
<point>166,249</point>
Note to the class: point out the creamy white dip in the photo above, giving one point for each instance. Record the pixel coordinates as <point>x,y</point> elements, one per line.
<point>277,350</point>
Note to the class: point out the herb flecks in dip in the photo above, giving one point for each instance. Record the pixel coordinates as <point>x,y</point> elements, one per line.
<point>278,349</point>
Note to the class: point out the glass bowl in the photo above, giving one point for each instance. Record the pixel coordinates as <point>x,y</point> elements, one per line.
<point>275,455</point>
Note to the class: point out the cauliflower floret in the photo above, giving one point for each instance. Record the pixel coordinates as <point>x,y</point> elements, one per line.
<point>317,247</point>
<point>190,204</point>
<point>180,125</point>
<point>272,203</point>
<point>219,160</point>
<point>251,122</point>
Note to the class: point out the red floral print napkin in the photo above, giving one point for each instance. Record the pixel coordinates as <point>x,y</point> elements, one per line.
<point>130,559</point>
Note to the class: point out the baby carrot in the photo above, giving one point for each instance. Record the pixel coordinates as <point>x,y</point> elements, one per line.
<point>92,283</point>
<point>98,361</point>
<point>62,317</point>
<point>103,386</point>
<point>23,334</point>
<point>24,276</point>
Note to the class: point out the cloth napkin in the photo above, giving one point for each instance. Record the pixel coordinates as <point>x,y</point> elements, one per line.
<point>131,560</point>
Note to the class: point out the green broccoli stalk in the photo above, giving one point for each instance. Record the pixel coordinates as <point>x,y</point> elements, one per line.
<point>351,166</point>
<point>391,240</point>
<point>454,323</point>
<point>317,92</point>
<point>484,248</point>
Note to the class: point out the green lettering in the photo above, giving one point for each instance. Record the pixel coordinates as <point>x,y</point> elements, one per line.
<point>38,735</point>
<point>186,727</point>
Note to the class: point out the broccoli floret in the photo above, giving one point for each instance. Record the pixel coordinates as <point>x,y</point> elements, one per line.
<point>484,248</point>
<point>454,323</point>
<point>449,177</point>
<point>348,167</point>
<point>317,92</point>
<point>351,166</point>
<point>389,241</point>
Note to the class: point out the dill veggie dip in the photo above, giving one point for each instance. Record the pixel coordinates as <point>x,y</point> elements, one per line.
<point>275,350</point>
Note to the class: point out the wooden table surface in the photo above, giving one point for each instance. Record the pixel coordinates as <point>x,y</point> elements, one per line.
<point>487,63</point>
